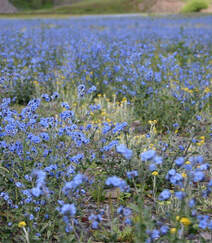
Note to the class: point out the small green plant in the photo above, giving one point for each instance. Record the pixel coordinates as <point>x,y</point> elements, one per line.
<point>195,6</point>
<point>22,91</point>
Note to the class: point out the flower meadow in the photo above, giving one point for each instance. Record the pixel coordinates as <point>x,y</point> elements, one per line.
<point>106,129</point>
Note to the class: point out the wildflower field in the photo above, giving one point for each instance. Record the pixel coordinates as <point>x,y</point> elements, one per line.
<point>106,130</point>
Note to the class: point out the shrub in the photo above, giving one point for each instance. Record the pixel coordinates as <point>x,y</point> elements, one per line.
<point>195,6</point>
<point>32,4</point>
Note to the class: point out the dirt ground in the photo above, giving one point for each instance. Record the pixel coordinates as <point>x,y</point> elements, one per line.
<point>163,6</point>
<point>166,6</point>
<point>6,7</point>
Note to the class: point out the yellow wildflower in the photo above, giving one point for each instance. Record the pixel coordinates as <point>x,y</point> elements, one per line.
<point>207,90</point>
<point>22,224</point>
<point>185,221</point>
<point>36,83</point>
<point>161,203</point>
<point>124,99</point>
<point>154,173</point>
<point>173,230</point>
<point>177,218</point>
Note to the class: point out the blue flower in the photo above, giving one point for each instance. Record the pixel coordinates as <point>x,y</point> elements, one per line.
<point>19,184</point>
<point>198,176</point>
<point>72,185</point>
<point>95,224</point>
<point>205,166</point>
<point>120,209</point>
<point>91,89</point>
<point>44,136</point>
<point>117,182</point>
<point>36,191</point>
<point>192,203</point>
<point>34,138</point>
<point>55,95</point>
<point>128,221</point>
<point>127,212</point>
<point>164,229</point>
<point>81,90</point>
<point>175,125</point>
<point>179,161</point>
<point>68,209</point>
<point>45,97</point>
<point>65,105</point>
<point>181,148</point>
<point>119,127</point>
<point>109,146</point>
<point>180,195</point>
<point>147,155</point>
<point>155,234</point>
<point>158,160</point>
<point>131,174</point>
<point>152,167</point>
<point>95,219</point>
<point>164,195</point>
<point>122,149</point>
<point>210,225</point>
<point>176,179</point>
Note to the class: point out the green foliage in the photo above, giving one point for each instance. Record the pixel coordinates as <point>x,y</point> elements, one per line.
<point>23,90</point>
<point>195,6</point>
<point>97,7</point>
<point>32,4</point>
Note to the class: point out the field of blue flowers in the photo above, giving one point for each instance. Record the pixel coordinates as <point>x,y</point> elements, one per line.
<point>106,130</point>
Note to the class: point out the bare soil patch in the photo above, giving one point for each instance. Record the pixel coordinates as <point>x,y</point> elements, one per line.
<point>7,7</point>
<point>162,6</point>
<point>208,10</point>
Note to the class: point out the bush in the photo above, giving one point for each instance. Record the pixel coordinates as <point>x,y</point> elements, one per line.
<point>195,6</point>
<point>32,4</point>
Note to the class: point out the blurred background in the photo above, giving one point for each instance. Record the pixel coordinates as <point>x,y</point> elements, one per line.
<point>86,7</point>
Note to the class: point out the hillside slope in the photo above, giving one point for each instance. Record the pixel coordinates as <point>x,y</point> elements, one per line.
<point>95,6</point>
<point>7,7</point>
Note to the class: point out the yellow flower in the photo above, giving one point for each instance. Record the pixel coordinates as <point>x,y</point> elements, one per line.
<point>188,162</point>
<point>207,90</point>
<point>124,99</point>
<point>185,221</point>
<point>161,203</point>
<point>21,224</point>
<point>187,90</point>
<point>173,230</point>
<point>150,122</point>
<point>154,173</point>
<point>177,218</point>
<point>184,175</point>
<point>36,83</point>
